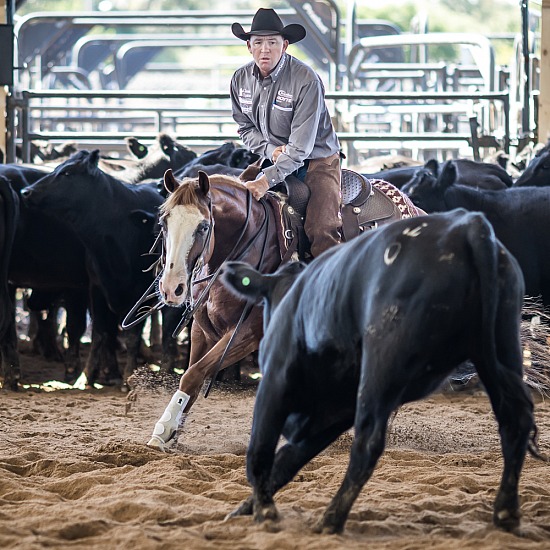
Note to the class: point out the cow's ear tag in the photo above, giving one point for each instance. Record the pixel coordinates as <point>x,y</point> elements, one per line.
<point>245,281</point>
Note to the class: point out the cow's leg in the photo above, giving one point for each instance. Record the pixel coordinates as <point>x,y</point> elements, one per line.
<point>502,375</point>
<point>44,336</point>
<point>270,414</point>
<point>513,410</point>
<point>377,397</point>
<point>76,306</point>
<point>11,369</point>
<point>102,364</point>
<point>291,458</point>
<point>133,343</point>
<point>368,445</point>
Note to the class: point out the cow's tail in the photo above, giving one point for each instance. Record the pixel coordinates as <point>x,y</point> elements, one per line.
<point>9,212</point>
<point>483,245</point>
<point>485,250</point>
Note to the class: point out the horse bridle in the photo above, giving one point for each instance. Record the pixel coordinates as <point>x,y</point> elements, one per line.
<point>159,265</point>
<point>140,312</point>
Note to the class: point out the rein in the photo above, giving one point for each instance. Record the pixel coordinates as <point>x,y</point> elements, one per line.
<point>248,308</point>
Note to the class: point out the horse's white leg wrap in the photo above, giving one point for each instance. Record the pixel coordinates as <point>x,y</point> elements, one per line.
<point>167,426</point>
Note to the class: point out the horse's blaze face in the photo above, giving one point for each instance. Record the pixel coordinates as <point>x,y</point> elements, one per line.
<point>181,228</point>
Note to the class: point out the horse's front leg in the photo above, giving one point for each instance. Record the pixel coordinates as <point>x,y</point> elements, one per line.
<point>171,422</point>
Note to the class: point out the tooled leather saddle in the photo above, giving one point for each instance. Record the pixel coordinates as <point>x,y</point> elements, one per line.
<point>366,204</point>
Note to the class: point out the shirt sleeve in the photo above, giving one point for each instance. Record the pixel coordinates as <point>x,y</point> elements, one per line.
<point>304,127</point>
<point>251,137</point>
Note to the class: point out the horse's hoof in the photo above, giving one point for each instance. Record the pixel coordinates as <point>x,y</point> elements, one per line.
<point>157,443</point>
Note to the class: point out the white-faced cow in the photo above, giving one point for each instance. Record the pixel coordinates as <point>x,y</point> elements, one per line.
<point>376,323</point>
<point>149,163</point>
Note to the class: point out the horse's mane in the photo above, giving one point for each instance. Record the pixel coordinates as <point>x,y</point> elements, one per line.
<point>186,192</point>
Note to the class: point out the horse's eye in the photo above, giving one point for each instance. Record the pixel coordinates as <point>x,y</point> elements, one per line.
<point>203,227</point>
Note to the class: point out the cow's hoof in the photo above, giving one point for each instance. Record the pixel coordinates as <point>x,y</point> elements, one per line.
<point>327,526</point>
<point>11,384</point>
<point>263,513</point>
<point>72,374</point>
<point>109,379</point>
<point>507,520</point>
<point>244,509</point>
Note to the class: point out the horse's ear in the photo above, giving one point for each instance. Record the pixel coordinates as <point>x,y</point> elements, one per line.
<point>251,171</point>
<point>93,158</point>
<point>170,183</point>
<point>204,182</point>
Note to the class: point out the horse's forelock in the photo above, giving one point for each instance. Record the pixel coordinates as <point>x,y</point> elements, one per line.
<point>184,194</point>
<point>187,192</point>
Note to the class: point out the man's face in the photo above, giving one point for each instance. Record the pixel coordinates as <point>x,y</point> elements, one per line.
<point>267,51</point>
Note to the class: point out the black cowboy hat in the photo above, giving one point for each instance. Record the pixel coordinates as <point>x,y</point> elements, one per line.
<point>266,22</point>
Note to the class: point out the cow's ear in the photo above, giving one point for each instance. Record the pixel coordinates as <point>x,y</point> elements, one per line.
<point>204,183</point>
<point>93,158</point>
<point>170,182</point>
<point>135,147</point>
<point>166,143</point>
<point>432,165</point>
<point>245,281</point>
<point>448,176</point>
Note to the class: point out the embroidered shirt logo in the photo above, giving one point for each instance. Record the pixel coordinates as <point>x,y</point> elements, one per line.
<point>245,100</point>
<point>283,101</point>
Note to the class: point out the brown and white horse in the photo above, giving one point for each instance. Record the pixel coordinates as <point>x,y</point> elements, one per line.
<point>206,221</point>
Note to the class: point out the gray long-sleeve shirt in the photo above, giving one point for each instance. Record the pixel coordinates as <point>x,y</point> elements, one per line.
<point>286,108</point>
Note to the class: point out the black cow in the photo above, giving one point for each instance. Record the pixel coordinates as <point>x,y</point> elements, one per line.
<point>228,154</point>
<point>486,175</point>
<point>398,177</point>
<point>49,259</point>
<point>483,175</point>
<point>537,172</point>
<point>519,217</point>
<point>116,223</point>
<point>46,152</point>
<point>164,153</point>
<point>10,373</point>
<point>375,323</point>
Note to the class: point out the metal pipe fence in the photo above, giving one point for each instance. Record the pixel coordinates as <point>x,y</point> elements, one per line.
<point>364,120</point>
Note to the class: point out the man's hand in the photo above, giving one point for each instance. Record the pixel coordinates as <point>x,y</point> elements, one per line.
<point>258,187</point>
<point>278,150</point>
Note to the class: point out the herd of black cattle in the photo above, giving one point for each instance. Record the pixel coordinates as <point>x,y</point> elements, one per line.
<point>87,245</point>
